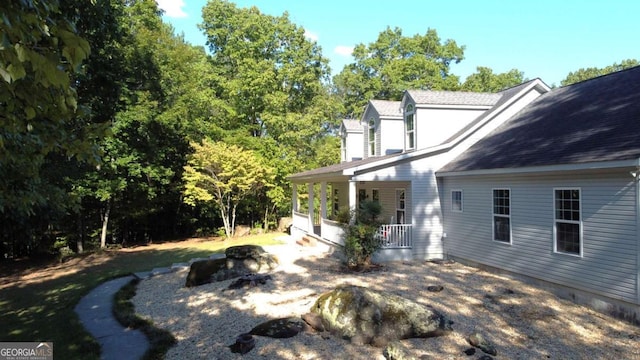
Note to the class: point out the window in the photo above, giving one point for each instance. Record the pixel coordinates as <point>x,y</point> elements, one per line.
<point>502,215</point>
<point>372,137</point>
<point>375,195</point>
<point>336,201</point>
<point>362,195</point>
<point>567,231</point>
<point>456,200</point>
<point>400,206</point>
<point>410,126</point>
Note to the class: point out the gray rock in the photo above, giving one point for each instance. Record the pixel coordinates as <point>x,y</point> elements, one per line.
<point>367,316</point>
<point>477,340</point>
<point>244,343</point>
<point>281,328</point>
<point>396,351</point>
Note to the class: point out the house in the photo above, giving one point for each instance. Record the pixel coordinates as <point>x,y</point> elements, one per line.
<point>537,183</point>
<point>553,195</point>
<point>436,127</point>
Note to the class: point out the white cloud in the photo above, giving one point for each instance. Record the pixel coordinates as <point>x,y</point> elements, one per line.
<point>172,8</point>
<point>310,35</point>
<point>343,50</point>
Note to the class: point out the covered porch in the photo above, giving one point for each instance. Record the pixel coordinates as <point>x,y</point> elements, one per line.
<point>320,195</point>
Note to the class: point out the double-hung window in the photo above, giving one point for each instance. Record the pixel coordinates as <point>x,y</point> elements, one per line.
<point>372,137</point>
<point>456,200</point>
<point>502,215</point>
<point>567,231</point>
<point>410,127</point>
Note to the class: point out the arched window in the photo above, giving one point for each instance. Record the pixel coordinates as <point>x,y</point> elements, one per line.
<point>410,127</point>
<point>372,137</point>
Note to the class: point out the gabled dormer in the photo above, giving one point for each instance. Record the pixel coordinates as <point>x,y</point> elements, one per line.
<point>383,128</point>
<point>431,117</point>
<point>351,138</point>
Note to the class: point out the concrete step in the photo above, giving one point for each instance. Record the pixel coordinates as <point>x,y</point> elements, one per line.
<point>307,240</point>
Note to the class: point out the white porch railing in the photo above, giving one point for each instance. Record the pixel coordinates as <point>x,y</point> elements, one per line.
<point>332,231</point>
<point>395,236</point>
<point>301,221</point>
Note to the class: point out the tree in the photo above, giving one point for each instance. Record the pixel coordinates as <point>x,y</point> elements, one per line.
<point>40,54</point>
<point>484,80</point>
<point>589,73</point>
<point>394,63</point>
<point>272,82</point>
<point>224,174</point>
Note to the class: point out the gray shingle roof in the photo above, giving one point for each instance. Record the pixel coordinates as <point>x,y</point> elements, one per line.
<point>453,97</point>
<point>387,108</point>
<point>592,121</point>
<point>352,125</point>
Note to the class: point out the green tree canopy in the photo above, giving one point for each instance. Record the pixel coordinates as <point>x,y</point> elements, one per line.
<point>224,174</point>
<point>589,73</point>
<point>394,63</point>
<point>484,80</point>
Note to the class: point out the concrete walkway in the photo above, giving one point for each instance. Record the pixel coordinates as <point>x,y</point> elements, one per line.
<point>96,314</point>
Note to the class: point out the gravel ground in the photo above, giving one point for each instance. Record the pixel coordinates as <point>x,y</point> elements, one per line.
<point>523,322</point>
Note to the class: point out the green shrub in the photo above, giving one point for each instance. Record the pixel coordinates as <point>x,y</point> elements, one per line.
<point>360,241</point>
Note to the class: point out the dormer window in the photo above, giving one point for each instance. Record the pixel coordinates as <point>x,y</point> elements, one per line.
<point>372,137</point>
<point>410,127</point>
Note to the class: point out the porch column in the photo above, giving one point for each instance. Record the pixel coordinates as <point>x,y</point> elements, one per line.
<point>311,208</point>
<point>352,197</point>
<point>294,197</point>
<point>323,199</point>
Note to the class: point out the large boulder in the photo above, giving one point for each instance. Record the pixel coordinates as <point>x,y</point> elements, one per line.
<point>367,316</point>
<point>238,261</point>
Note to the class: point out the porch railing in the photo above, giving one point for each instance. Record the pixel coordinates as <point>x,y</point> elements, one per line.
<point>395,236</point>
<point>301,221</point>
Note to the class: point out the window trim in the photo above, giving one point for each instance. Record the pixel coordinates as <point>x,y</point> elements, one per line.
<point>372,139</point>
<point>375,195</point>
<point>453,208</point>
<point>410,110</point>
<point>578,222</point>
<point>493,216</point>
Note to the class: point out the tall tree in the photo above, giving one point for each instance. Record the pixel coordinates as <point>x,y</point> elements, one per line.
<point>40,54</point>
<point>589,73</point>
<point>272,80</point>
<point>394,63</point>
<point>484,80</point>
<point>224,174</point>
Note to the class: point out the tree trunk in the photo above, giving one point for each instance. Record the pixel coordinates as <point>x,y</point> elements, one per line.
<point>80,241</point>
<point>105,223</point>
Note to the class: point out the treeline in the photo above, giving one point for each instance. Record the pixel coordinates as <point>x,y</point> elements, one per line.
<point>104,107</point>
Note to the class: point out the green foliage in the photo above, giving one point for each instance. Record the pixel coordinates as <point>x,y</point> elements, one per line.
<point>589,73</point>
<point>484,80</point>
<point>360,241</point>
<point>223,174</point>
<point>394,63</point>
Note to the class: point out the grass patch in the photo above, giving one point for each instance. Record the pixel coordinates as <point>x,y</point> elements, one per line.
<point>160,340</point>
<point>38,302</point>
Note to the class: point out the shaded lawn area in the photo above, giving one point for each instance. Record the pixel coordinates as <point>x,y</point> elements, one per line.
<point>37,300</point>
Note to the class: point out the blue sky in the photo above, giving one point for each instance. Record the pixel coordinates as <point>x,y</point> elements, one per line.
<point>542,38</point>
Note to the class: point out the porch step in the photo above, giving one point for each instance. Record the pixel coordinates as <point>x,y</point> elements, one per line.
<point>307,241</point>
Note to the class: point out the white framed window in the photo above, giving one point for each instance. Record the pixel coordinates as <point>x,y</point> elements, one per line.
<point>567,227</point>
<point>362,195</point>
<point>456,200</point>
<point>372,137</point>
<point>400,206</point>
<point>375,195</point>
<point>502,215</point>
<point>410,127</point>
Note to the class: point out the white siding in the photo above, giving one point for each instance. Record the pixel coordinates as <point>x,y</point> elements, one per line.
<point>610,238</point>
<point>390,135</point>
<point>354,146</point>
<point>434,126</point>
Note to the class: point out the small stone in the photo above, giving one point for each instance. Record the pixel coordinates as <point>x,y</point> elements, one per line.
<point>244,343</point>
<point>396,351</point>
<point>470,351</point>
<point>477,340</point>
<point>485,357</point>
<point>435,288</point>
<point>280,328</point>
